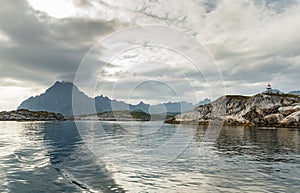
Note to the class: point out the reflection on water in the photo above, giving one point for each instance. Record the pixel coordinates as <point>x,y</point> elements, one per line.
<point>49,157</point>
<point>110,157</point>
<point>70,157</point>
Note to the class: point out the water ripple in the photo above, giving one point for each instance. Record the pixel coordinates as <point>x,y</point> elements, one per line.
<point>53,157</point>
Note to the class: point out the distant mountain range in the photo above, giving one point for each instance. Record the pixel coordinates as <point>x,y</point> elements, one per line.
<point>295,92</point>
<point>204,102</point>
<point>274,91</point>
<point>280,92</point>
<point>62,96</point>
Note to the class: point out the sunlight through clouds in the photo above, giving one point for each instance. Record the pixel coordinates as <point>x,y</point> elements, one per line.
<point>11,95</point>
<point>55,8</point>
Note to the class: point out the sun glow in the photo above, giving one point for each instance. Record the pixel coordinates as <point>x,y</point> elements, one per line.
<point>55,8</point>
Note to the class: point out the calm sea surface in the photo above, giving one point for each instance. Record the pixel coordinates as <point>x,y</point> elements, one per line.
<point>146,157</point>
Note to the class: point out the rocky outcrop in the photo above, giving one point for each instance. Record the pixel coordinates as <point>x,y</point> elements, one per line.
<point>259,110</point>
<point>291,120</point>
<point>289,110</point>
<point>273,119</point>
<point>25,115</point>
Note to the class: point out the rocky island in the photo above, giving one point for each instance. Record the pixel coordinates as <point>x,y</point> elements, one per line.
<point>137,115</point>
<point>26,115</point>
<point>114,116</point>
<point>261,110</point>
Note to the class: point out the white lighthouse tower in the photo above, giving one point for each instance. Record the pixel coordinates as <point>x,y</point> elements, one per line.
<point>269,88</point>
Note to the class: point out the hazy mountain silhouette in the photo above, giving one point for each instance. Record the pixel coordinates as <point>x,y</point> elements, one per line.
<point>171,107</point>
<point>204,102</point>
<point>58,98</point>
<point>295,92</point>
<point>140,107</point>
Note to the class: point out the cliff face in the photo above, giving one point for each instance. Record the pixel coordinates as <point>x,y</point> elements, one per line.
<point>258,110</point>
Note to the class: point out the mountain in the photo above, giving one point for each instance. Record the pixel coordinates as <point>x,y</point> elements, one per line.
<point>274,91</point>
<point>205,101</point>
<point>58,98</point>
<point>105,104</point>
<point>162,108</point>
<point>171,107</point>
<point>295,92</point>
<point>140,107</point>
<point>269,109</point>
<point>63,96</point>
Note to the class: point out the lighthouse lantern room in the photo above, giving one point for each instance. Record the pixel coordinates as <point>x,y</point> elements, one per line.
<point>269,88</point>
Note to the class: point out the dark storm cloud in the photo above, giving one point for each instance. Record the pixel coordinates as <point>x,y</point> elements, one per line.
<point>41,48</point>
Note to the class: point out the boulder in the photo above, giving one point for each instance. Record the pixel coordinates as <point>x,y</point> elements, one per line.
<point>291,120</point>
<point>255,116</point>
<point>285,111</point>
<point>273,119</point>
<point>188,116</point>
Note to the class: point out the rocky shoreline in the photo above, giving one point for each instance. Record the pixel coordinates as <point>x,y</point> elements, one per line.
<point>120,116</point>
<point>114,116</point>
<point>261,110</point>
<point>26,115</point>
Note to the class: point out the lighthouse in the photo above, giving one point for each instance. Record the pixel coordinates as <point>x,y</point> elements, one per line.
<point>269,88</point>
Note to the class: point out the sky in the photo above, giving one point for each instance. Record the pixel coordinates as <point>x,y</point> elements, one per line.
<point>168,50</point>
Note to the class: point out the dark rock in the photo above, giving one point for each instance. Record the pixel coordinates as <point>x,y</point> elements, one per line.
<point>255,115</point>
<point>25,115</point>
<point>273,119</point>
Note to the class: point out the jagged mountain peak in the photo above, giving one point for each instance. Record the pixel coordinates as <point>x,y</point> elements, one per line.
<point>142,103</point>
<point>64,83</point>
<point>58,98</point>
<point>61,87</point>
<point>64,97</point>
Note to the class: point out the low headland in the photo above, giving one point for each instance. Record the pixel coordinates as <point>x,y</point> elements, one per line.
<point>124,115</point>
<point>261,110</point>
<point>26,115</point>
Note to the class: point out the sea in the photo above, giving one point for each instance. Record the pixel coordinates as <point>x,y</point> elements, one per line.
<point>146,156</point>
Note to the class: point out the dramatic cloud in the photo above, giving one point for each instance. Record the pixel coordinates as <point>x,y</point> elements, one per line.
<point>252,41</point>
<point>36,49</point>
